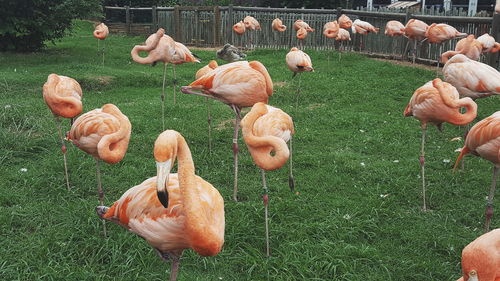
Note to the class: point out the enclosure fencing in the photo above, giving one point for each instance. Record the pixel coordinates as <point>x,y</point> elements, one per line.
<point>211,26</point>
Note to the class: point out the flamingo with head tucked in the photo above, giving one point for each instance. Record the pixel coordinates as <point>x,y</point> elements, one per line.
<point>298,62</point>
<point>104,133</point>
<point>437,102</point>
<point>267,129</point>
<point>467,46</point>
<point>63,95</point>
<point>277,26</point>
<point>172,212</point>
<point>415,30</point>
<point>342,36</point>
<point>345,22</point>
<point>394,28</point>
<point>438,33</point>
<point>162,48</point>
<point>489,43</point>
<point>101,32</point>
<point>481,258</point>
<point>238,84</point>
<point>363,28</point>
<point>483,140</point>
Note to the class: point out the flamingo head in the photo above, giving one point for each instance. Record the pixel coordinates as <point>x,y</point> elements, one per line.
<point>165,153</point>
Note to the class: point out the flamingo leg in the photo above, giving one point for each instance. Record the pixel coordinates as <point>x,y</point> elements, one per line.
<point>405,53</point>
<point>209,119</point>
<point>175,83</point>
<point>414,51</point>
<point>174,258</point>
<point>291,180</point>
<point>422,164</point>
<point>163,97</point>
<point>489,206</point>
<point>103,46</point>
<point>440,51</point>
<point>63,149</point>
<point>99,190</point>
<point>298,91</point>
<point>265,198</point>
<point>235,149</point>
<point>340,50</point>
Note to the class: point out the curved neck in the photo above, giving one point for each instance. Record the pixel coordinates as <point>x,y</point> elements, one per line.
<point>444,90</point>
<point>64,106</point>
<point>147,48</point>
<point>112,147</point>
<point>261,147</point>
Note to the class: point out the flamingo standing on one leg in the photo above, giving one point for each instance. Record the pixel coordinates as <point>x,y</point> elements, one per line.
<point>172,212</point>
<point>483,140</point>
<point>467,46</point>
<point>63,95</point>
<point>394,28</point>
<point>439,33</point>
<point>101,32</point>
<point>202,71</point>
<point>345,22</point>
<point>239,29</point>
<point>342,36</point>
<point>238,84</point>
<point>162,48</point>
<point>103,133</point>
<point>415,30</point>
<point>298,62</point>
<point>481,258</point>
<point>302,29</point>
<point>489,44</point>
<point>437,102</point>
<point>331,30</point>
<point>267,129</point>
<point>277,26</point>
<point>251,24</point>
<point>363,28</point>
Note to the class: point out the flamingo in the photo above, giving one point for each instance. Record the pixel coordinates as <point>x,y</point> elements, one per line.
<point>239,28</point>
<point>103,133</point>
<point>302,29</point>
<point>394,28</point>
<point>342,36</point>
<point>345,22</point>
<point>481,258</point>
<point>472,79</point>
<point>298,62</point>
<point>483,140</point>
<point>331,30</point>
<point>63,95</point>
<point>439,33</point>
<point>172,212</point>
<point>202,71</point>
<point>301,35</point>
<point>489,44</point>
<point>101,32</point>
<point>277,26</point>
<point>267,129</point>
<point>181,55</point>
<point>363,28</point>
<point>251,24</point>
<point>161,47</point>
<point>238,84</point>
<point>437,102</point>
<point>467,46</point>
<point>415,30</point>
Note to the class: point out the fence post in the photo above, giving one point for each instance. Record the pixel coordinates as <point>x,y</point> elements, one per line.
<point>197,27</point>
<point>127,19</point>
<point>177,24</point>
<point>217,25</point>
<point>231,22</point>
<point>403,46</point>
<point>154,24</point>
<point>339,12</point>
<point>495,30</point>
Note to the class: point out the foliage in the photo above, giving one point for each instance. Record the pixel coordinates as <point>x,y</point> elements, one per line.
<point>27,24</point>
<point>357,214</point>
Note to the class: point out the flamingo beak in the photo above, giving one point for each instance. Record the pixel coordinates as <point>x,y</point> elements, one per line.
<point>162,173</point>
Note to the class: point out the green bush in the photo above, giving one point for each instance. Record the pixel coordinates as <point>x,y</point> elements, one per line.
<point>26,25</point>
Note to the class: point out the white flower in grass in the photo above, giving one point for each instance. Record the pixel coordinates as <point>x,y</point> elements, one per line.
<point>347,216</point>
<point>362,131</point>
<point>24,170</point>
<point>362,164</point>
<point>446,160</point>
<point>384,195</point>
<point>396,161</point>
<point>7,106</point>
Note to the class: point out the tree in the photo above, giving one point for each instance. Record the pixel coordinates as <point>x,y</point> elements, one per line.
<point>26,25</point>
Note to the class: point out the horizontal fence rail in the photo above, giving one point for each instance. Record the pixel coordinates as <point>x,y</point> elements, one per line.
<point>211,26</point>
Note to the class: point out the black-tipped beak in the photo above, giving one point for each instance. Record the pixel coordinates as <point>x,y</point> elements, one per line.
<point>162,173</point>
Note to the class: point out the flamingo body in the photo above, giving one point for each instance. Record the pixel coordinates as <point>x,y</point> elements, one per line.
<point>437,102</point>
<point>103,133</point>
<point>101,31</point>
<point>415,29</point>
<point>472,78</point>
<point>239,28</point>
<point>63,95</point>
<point>343,35</point>
<point>298,61</point>
<point>301,33</point>
<point>206,69</point>
<point>266,129</point>
<point>363,27</point>
<point>331,29</point>
<point>278,25</point>
<point>394,28</point>
<point>345,22</point>
<point>298,24</point>
<point>440,32</point>
<point>468,46</point>
<point>481,258</point>
<point>489,44</point>
<point>160,48</point>
<point>251,23</point>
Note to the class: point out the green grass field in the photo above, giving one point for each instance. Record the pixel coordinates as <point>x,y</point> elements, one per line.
<point>358,212</point>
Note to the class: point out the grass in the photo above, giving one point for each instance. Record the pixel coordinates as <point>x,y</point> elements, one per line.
<point>357,215</point>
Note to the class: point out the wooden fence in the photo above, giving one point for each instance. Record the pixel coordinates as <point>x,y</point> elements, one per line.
<point>212,27</point>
